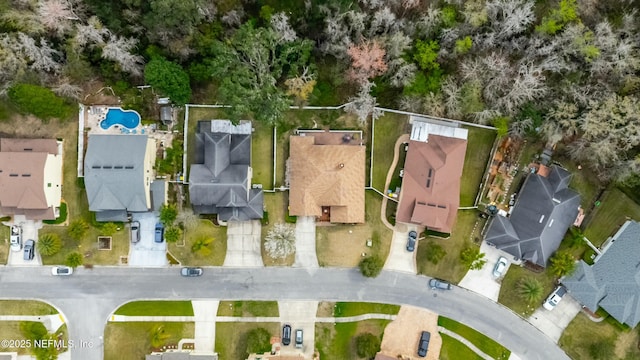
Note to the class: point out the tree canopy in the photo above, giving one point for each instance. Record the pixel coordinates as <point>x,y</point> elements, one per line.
<point>168,79</point>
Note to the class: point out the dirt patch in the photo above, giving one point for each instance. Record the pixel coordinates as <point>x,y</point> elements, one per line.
<point>401,336</point>
<point>325,309</point>
<point>624,342</point>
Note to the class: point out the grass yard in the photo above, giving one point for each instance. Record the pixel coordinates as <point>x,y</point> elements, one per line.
<point>156,308</point>
<point>583,181</point>
<point>231,338</point>
<point>614,210</point>
<point>582,337</point>
<point>276,204</point>
<point>262,155</point>
<point>509,296</point>
<point>345,309</point>
<point>4,244</point>
<point>453,349</point>
<point>338,341</point>
<point>10,330</point>
<point>282,154</point>
<point>248,308</point>
<point>343,245</point>
<point>449,267</point>
<point>132,340</point>
<point>25,307</point>
<point>205,230</point>
<point>387,130</point>
<point>88,246</point>
<point>479,145</point>
<point>482,342</point>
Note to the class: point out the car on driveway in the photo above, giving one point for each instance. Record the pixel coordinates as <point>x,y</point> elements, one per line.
<point>159,233</point>
<point>411,241</point>
<point>423,345</point>
<point>500,267</point>
<point>554,298</point>
<point>135,232</point>
<point>439,284</point>
<point>299,338</point>
<point>29,249</point>
<point>16,238</point>
<point>61,271</point>
<point>286,335</point>
<point>191,271</point>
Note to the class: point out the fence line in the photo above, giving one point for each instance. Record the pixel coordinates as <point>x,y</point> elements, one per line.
<point>487,171</point>
<point>436,118</point>
<point>184,140</point>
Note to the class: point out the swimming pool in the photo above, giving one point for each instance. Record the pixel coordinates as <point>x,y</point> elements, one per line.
<point>116,116</point>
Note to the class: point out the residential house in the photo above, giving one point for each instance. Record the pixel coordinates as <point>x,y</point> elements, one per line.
<point>326,175</point>
<point>430,193</point>
<point>542,214</point>
<point>30,178</point>
<point>119,176</point>
<point>613,281</point>
<point>220,175</point>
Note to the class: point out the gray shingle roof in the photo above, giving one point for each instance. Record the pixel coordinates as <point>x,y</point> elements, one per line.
<point>114,173</point>
<point>613,282</point>
<point>544,210</point>
<point>219,178</point>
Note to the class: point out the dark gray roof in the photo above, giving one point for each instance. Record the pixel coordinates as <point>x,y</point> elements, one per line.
<point>545,209</point>
<point>158,194</point>
<point>613,282</point>
<point>114,172</point>
<point>111,216</point>
<point>220,177</point>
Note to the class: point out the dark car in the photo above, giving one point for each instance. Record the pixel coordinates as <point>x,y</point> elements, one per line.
<point>159,233</point>
<point>135,232</point>
<point>411,241</point>
<point>423,345</point>
<point>439,284</point>
<point>286,335</point>
<point>191,271</point>
<point>29,250</point>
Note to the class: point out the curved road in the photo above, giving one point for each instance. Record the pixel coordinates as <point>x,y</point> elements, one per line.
<point>89,296</point>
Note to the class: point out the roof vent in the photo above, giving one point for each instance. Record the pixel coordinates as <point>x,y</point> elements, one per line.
<point>128,167</point>
<point>13,175</point>
<point>341,165</point>
<point>117,167</point>
<point>551,222</point>
<point>556,201</point>
<point>28,149</point>
<point>26,175</point>
<point>541,219</point>
<point>107,167</point>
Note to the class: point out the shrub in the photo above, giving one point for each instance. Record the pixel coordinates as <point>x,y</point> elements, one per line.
<point>109,229</point>
<point>201,246</point>
<point>367,345</point>
<point>562,263</point>
<point>472,258</point>
<point>435,252</point>
<point>172,234</point>
<point>74,260</point>
<point>39,101</point>
<point>77,229</point>
<point>168,214</point>
<point>371,266</point>
<point>258,341</point>
<point>530,290</point>
<point>60,219</point>
<point>49,244</point>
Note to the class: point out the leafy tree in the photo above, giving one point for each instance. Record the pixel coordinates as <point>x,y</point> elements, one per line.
<point>201,246</point>
<point>367,345</point>
<point>435,252</point>
<point>423,84</point>
<point>39,101</point>
<point>159,336</point>
<point>472,258</point>
<point>463,45</point>
<point>35,330</point>
<point>109,229</point>
<point>558,18</point>
<point>371,266</point>
<point>77,229</point>
<point>577,238</point>
<point>169,79</point>
<point>530,290</point>
<point>448,16</point>
<point>280,242</point>
<point>502,125</point>
<point>562,263</point>
<point>168,214</point>
<point>49,244</point>
<point>426,54</point>
<point>74,260</point>
<point>258,341</point>
<point>172,234</point>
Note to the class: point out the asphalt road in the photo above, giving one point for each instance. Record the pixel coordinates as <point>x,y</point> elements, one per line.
<point>88,297</point>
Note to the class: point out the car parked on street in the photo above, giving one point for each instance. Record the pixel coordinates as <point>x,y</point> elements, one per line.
<point>286,335</point>
<point>29,249</point>
<point>191,271</point>
<point>16,238</point>
<point>411,241</point>
<point>500,267</point>
<point>423,345</point>
<point>299,338</point>
<point>555,297</point>
<point>439,284</point>
<point>61,271</point>
<point>135,232</point>
<point>159,233</point>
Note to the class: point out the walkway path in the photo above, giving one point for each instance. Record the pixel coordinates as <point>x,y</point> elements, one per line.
<point>51,322</point>
<point>396,154</point>
<point>330,319</point>
<point>464,341</point>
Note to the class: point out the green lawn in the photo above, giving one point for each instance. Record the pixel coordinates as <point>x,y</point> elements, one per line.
<point>482,342</point>
<point>282,154</point>
<point>231,338</point>
<point>450,268</point>
<point>25,307</point>
<point>509,296</point>
<point>453,349</point>
<point>205,230</point>
<point>606,219</point>
<point>248,308</point>
<point>479,145</point>
<point>4,244</point>
<point>10,330</point>
<point>132,340</point>
<point>262,155</point>
<point>156,308</point>
<point>387,130</point>
<point>276,204</point>
<point>583,181</point>
<point>338,341</point>
<point>345,309</point>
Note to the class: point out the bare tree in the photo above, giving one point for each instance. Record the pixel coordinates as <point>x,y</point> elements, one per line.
<point>91,34</point>
<point>119,50</point>
<point>56,15</point>
<point>280,242</point>
<point>510,17</point>
<point>68,90</point>
<point>280,24</point>
<point>363,104</point>
<point>367,61</point>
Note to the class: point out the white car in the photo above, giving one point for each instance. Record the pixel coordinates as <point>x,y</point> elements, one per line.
<point>61,271</point>
<point>554,298</point>
<point>16,238</point>
<point>500,267</point>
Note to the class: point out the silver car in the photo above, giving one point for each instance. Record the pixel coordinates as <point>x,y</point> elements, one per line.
<point>500,267</point>
<point>135,232</point>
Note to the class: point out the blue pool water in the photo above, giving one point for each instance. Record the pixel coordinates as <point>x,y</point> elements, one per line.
<point>115,116</point>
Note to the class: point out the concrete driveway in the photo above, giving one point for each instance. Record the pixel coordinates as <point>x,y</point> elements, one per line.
<point>552,323</point>
<point>399,258</point>
<point>482,281</point>
<point>243,244</point>
<point>306,242</point>
<point>300,315</point>
<point>147,252</point>
<point>29,231</point>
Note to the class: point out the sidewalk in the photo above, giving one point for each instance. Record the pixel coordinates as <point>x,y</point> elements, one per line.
<point>51,322</point>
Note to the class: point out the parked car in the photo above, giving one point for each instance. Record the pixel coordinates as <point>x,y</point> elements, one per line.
<point>439,284</point>
<point>135,232</point>
<point>411,241</point>
<point>29,249</point>
<point>159,233</point>
<point>554,298</point>
<point>191,271</point>
<point>500,267</point>
<point>286,335</point>
<point>423,345</point>
<point>61,271</point>
<point>16,238</point>
<point>299,338</point>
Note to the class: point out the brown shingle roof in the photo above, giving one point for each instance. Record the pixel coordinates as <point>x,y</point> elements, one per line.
<point>430,193</point>
<point>326,175</point>
<point>49,146</point>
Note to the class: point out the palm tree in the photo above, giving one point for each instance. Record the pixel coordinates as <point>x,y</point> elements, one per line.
<point>74,260</point>
<point>49,244</point>
<point>159,336</point>
<point>530,290</point>
<point>562,263</point>
<point>77,229</point>
<point>201,246</point>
